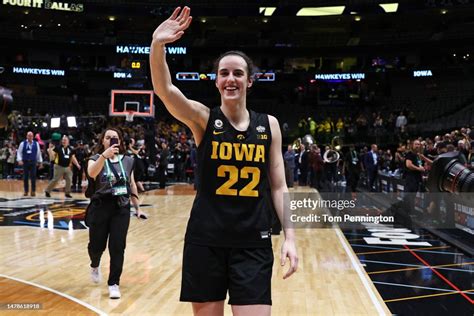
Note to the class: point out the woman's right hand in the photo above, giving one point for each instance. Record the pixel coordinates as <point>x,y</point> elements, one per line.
<point>173,28</point>
<point>111,151</point>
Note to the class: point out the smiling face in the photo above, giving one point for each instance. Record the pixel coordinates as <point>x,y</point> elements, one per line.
<point>233,78</point>
<point>65,141</point>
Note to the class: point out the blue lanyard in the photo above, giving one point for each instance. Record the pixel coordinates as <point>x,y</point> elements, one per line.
<point>109,173</point>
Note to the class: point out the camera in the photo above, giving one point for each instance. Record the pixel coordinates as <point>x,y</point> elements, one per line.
<point>449,174</point>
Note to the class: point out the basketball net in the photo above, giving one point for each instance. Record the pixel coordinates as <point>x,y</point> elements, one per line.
<point>129,116</point>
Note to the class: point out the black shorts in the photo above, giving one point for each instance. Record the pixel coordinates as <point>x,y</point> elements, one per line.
<point>208,272</point>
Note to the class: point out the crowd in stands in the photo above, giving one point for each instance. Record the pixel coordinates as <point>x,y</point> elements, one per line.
<point>307,166</point>
<point>166,147</point>
<point>145,140</point>
<point>377,126</point>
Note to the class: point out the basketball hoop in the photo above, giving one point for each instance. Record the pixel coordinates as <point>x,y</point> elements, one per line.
<point>129,116</point>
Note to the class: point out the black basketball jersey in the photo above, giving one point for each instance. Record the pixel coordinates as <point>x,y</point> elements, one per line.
<point>232,206</point>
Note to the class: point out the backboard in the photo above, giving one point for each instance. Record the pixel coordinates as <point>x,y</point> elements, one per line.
<point>126,102</point>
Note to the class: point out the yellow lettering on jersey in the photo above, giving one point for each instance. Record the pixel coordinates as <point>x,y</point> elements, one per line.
<point>215,145</point>
<point>225,151</point>
<point>260,154</point>
<point>242,150</point>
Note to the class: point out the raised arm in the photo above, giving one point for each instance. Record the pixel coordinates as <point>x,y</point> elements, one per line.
<point>51,152</point>
<point>278,187</point>
<point>94,167</point>
<point>192,113</point>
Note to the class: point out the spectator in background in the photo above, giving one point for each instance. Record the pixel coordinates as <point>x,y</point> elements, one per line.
<point>11,160</point>
<point>401,122</point>
<point>391,121</point>
<point>430,150</point>
<point>63,157</point>
<point>441,148</point>
<point>133,151</point>
<point>413,178</point>
<point>387,160</point>
<point>462,148</point>
<point>303,165</point>
<point>371,160</point>
<point>378,128</point>
<point>470,157</point>
<point>77,173</point>
<point>179,155</point>
<point>289,158</point>
<point>29,156</point>
<point>193,159</point>
<point>4,153</point>
<point>414,168</point>
<point>316,165</point>
<point>330,166</point>
<point>163,165</point>
<point>352,168</point>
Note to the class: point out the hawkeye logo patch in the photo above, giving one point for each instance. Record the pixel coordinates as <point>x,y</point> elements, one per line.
<point>260,129</point>
<point>218,124</point>
<point>240,137</point>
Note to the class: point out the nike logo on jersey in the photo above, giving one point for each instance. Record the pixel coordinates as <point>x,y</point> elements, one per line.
<point>217,133</point>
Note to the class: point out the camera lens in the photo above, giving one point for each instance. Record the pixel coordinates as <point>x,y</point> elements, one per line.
<point>449,174</point>
<point>457,178</point>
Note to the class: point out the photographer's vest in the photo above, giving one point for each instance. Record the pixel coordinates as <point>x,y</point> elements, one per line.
<point>106,179</point>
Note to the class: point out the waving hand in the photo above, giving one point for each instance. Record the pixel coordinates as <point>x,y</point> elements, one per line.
<point>173,28</point>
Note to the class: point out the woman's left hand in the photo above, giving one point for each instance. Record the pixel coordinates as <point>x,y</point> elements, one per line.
<point>140,214</point>
<point>288,249</point>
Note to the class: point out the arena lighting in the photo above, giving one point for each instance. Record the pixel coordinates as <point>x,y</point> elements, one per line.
<point>320,11</point>
<point>267,11</point>
<point>55,122</point>
<point>71,121</point>
<point>44,124</point>
<point>389,7</point>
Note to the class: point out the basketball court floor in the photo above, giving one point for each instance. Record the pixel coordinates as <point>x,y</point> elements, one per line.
<point>44,262</point>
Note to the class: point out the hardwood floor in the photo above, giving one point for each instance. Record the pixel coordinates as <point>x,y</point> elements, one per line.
<point>328,281</point>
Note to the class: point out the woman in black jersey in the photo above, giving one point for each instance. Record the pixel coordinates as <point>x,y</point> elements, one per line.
<point>227,243</point>
<point>108,215</point>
